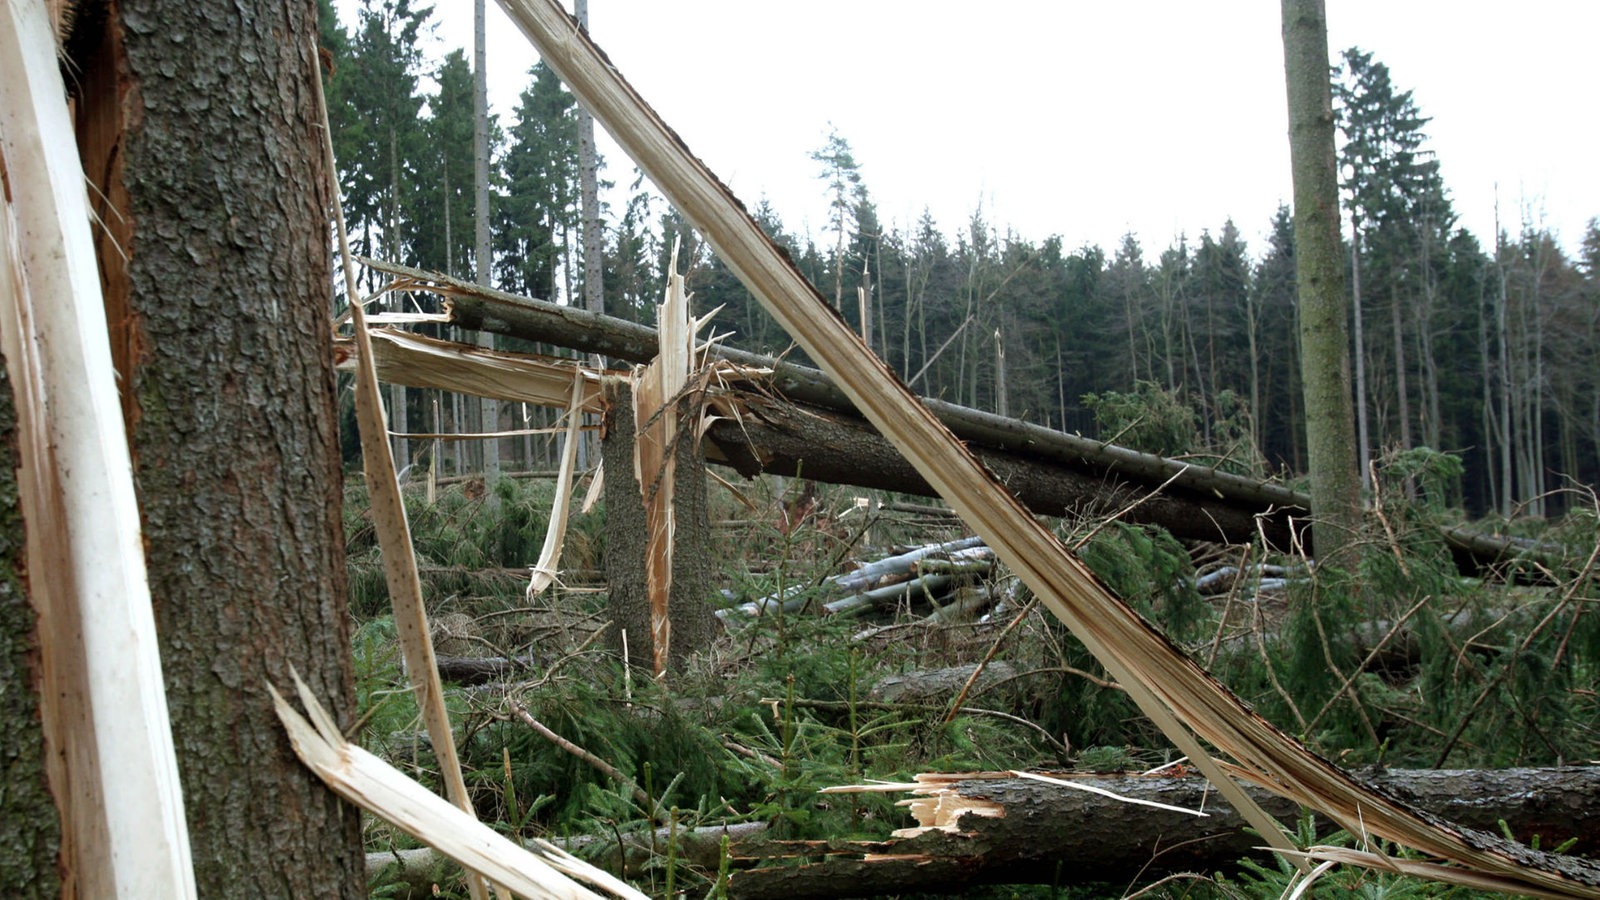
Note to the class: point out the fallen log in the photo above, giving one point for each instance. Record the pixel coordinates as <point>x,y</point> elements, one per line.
<point>1211,502</point>
<point>481,669</point>
<point>771,436</point>
<point>1007,830</point>
<point>1060,836</point>
<point>864,579</point>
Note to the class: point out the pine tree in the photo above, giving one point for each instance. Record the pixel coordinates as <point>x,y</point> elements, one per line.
<point>540,209</point>
<point>1400,222</point>
<point>441,231</point>
<point>842,174</point>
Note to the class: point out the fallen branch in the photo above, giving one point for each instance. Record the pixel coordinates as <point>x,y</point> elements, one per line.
<point>645,801</point>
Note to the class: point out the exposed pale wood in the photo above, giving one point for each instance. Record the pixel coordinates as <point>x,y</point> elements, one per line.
<point>656,392</point>
<point>555,533</point>
<point>394,534</point>
<point>1167,686</point>
<point>375,786</point>
<point>114,769</point>
<point>420,361</point>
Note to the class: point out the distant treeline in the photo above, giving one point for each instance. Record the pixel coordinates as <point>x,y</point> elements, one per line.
<point>1482,348</point>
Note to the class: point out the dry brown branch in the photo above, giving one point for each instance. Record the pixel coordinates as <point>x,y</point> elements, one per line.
<point>645,801</point>
<point>394,531</point>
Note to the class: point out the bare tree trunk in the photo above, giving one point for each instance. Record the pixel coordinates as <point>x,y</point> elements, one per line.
<point>1047,834</point>
<point>1508,491</point>
<point>1324,311</point>
<point>1363,434</point>
<point>480,155</point>
<point>397,392</point>
<point>237,463</point>
<point>693,623</point>
<point>1401,381</point>
<point>594,294</point>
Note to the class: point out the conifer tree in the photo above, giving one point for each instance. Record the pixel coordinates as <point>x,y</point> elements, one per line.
<point>540,166</point>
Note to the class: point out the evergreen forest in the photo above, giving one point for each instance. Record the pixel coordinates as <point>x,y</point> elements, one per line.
<point>1479,346</point>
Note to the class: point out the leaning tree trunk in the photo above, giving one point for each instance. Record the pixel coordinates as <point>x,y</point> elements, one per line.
<point>33,830</point>
<point>230,396</point>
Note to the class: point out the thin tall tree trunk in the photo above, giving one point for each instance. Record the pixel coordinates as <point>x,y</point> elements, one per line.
<point>1508,491</point>
<point>594,295</point>
<point>1324,311</point>
<point>1401,381</point>
<point>397,392</point>
<point>490,408</point>
<point>1363,435</point>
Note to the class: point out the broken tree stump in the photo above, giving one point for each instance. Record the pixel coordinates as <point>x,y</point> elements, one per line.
<point>694,623</point>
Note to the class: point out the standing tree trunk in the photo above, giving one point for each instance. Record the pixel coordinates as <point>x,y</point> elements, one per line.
<point>1363,431</point>
<point>1319,269</point>
<point>694,624</point>
<point>230,392</point>
<point>480,173</point>
<point>594,294</point>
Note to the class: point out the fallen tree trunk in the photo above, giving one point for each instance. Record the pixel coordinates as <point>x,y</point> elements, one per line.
<point>1096,468</point>
<point>1020,831</point>
<point>774,437</point>
<point>1055,835</point>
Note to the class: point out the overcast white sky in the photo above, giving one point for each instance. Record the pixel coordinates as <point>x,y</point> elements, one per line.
<point>1085,119</point>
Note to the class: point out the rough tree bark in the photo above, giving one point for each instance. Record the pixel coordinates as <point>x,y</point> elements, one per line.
<point>1319,266</point>
<point>31,838</point>
<point>694,623</point>
<point>206,129</point>
<point>1053,835</point>
<point>1058,836</point>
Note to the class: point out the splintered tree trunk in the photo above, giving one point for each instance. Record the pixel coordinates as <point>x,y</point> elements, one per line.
<point>693,621</point>
<point>33,828</point>
<point>230,393</point>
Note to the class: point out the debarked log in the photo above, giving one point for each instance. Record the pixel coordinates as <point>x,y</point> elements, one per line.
<point>1019,831</point>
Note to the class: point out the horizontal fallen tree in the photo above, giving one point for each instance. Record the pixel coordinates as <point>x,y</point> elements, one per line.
<point>804,417</point>
<point>1055,835</point>
<point>1004,829</point>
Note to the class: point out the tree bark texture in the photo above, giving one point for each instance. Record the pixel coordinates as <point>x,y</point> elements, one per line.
<point>1053,835</point>
<point>694,623</point>
<point>1319,264</point>
<point>30,840</point>
<point>779,438</point>
<point>230,393</point>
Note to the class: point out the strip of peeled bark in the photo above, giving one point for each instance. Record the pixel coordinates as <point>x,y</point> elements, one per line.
<point>1044,834</point>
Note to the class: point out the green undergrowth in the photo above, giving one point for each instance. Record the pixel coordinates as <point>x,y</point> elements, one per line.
<point>1400,661</point>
